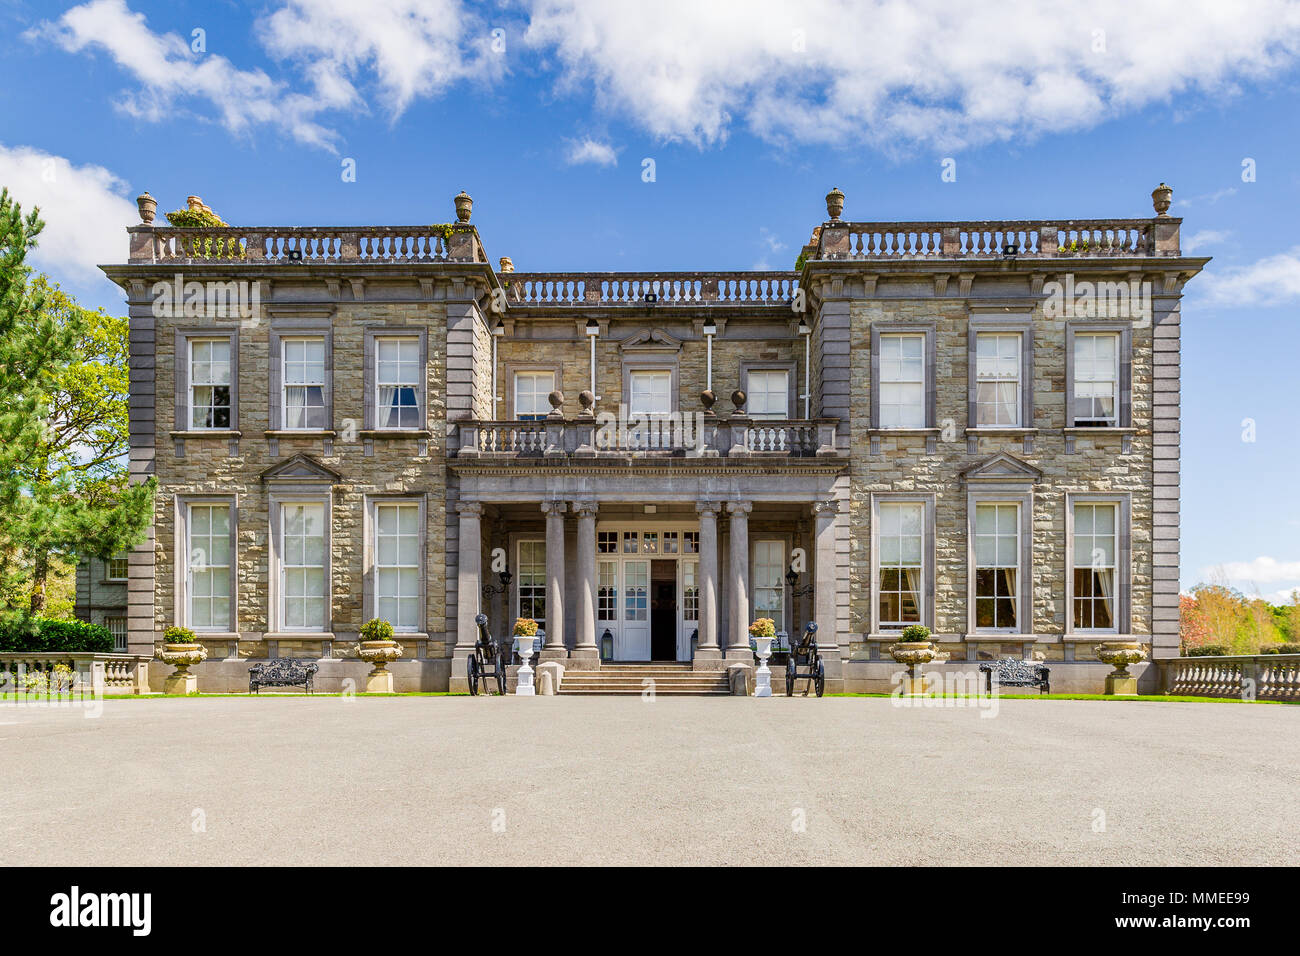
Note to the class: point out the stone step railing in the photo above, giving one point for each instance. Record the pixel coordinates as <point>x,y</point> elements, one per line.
<point>306,245</point>
<point>677,434</point>
<point>1261,676</point>
<point>100,673</point>
<point>997,239</point>
<point>649,288</point>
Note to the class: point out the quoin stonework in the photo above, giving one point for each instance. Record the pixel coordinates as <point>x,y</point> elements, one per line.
<point>968,425</point>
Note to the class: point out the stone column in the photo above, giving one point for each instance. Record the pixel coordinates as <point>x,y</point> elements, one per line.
<point>707,649</point>
<point>554,649</point>
<point>738,583</point>
<point>586,648</point>
<point>825,607</point>
<point>469,580</point>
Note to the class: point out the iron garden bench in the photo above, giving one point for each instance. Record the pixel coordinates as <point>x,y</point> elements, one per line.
<point>282,672</point>
<point>1013,673</point>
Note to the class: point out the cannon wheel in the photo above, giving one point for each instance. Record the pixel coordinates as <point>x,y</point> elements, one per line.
<point>501,676</point>
<point>789,677</point>
<point>820,677</point>
<point>472,667</point>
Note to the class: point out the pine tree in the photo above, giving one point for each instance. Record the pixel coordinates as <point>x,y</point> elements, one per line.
<point>63,481</point>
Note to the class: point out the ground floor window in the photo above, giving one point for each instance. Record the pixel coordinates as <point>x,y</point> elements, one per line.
<point>303,568</point>
<point>209,566</point>
<point>1096,529</point>
<point>900,539</point>
<point>767,577</point>
<point>532,581</point>
<point>397,564</point>
<point>117,627</point>
<point>997,566</point>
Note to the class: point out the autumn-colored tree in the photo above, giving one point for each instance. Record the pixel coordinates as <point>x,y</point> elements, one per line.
<point>1192,629</point>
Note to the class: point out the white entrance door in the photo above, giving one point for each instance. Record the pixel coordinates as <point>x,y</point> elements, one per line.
<point>634,636</point>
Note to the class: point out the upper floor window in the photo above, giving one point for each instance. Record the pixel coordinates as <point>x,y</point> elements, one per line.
<point>210,379</point>
<point>997,378</point>
<point>769,393</point>
<point>650,392</point>
<point>902,380</point>
<point>532,389</point>
<point>397,382</point>
<point>117,567</point>
<point>1096,398</point>
<point>304,382</point>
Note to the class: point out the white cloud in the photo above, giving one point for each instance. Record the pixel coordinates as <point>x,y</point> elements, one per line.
<point>588,150</point>
<point>899,72</point>
<point>1206,237</point>
<point>1261,570</point>
<point>416,48</point>
<point>85,210</point>
<point>169,73</point>
<point>1270,281</point>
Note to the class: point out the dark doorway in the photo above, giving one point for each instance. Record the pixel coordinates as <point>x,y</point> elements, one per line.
<point>663,610</point>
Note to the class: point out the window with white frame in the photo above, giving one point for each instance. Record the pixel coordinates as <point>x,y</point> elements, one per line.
<point>607,591</point>
<point>900,539</point>
<point>532,391</point>
<point>768,581</point>
<point>997,378</point>
<point>902,380</point>
<point>636,590</point>
<point>1096,543</point>
<point>1096,379</point>
<point>532,581</point>
<point>303,377</point>
<point>397,564</point>
<point>208,566</point>
<point>118,567</point>
<point>397,382</point>
<point>769,393</point>
<point>303,568</point>
<point>690,591</point>
<point>650,392</point>
<point>997,566</point>
<point>117,627</point>
<point>209,377</point>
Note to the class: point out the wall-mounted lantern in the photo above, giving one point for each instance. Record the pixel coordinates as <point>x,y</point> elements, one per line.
<point>792,579</point>
<point>606,647</point>
<point>504,577</point>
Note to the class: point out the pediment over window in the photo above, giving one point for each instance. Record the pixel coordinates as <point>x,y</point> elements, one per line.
<point>300,469</point>
<point>1004,468</point>
<point>650,340</point>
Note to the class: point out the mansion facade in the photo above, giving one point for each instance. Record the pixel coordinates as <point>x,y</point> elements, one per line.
<point>968,425</point>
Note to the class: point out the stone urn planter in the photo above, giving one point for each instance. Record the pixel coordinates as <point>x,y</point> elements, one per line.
<point>914,650</point>
<point>377,648</point>
<point>1119,655</point>
<point>762,631</point>
<point>464,206</point>
<point>1161,198</point>
<point>181,650</point>
<point>834,203</point>
<point>148,207</point>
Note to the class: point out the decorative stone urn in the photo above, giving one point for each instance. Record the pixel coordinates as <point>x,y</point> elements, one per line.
<point>464,206</point>
<point>507,265</point>
<point>913,653</point>
<point>834,203</point>
<point>1119,655</point>
<point>378,654</point>
<point>182,657</point>
<point>763,676</point>
<point>738,398</point>
<point>586,399</point>
<point>556,398</point>
<point>148,206</point>
<point>1161,197</point>
<point>707,398</point>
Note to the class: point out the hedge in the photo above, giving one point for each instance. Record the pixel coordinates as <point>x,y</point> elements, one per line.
<point>1207,650</point>
<point>44,634</point>
<point>1285,648</point>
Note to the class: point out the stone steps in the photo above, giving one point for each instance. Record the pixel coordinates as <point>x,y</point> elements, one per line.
<point>669,678</point>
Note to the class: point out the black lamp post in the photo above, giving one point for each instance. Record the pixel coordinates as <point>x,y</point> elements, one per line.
<point>792,579</point>
<point>504,577</point>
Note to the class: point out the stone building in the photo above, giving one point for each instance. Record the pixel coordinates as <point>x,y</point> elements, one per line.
<point>968,425</point>
<point>101,593</point>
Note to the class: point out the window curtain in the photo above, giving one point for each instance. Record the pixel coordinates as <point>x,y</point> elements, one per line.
<point>388,413</point>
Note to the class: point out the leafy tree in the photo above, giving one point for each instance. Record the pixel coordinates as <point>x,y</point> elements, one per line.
<point>63,426</point>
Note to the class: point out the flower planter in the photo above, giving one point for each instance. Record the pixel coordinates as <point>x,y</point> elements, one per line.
<point>182,657</point>
<point>1119,655</point>
<point>379,654</point>
<point>913,654</point>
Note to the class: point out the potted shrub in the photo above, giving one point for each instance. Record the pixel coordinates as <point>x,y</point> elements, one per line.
<point>377,647</point>
<point>914,649</point>
<point>182,650</point>
<point>525,632</point>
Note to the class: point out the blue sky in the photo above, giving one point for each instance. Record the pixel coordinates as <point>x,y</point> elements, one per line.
<point>546,111</point>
